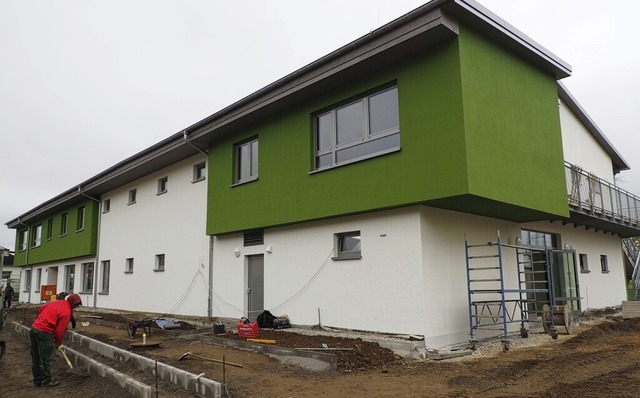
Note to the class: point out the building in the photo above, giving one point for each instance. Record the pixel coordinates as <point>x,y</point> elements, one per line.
<point>342,193</point>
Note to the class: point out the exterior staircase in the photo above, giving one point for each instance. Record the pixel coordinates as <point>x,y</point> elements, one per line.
<point>633,255</point>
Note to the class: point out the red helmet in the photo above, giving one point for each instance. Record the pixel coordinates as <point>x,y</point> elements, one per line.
<point>74,299</point>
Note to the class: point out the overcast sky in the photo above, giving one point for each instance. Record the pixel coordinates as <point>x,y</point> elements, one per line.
<point>85,84</point>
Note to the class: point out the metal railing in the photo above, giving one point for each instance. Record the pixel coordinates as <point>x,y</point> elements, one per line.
<point>599,198</point>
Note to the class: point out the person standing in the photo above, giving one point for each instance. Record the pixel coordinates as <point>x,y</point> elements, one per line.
<point>46,335</point>
<point>8,296</point>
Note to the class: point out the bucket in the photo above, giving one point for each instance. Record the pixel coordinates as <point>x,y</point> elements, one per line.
<point>218,329</point>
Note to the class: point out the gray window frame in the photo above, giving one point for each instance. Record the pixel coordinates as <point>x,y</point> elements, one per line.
<point>199,172</point>
<point>80,218</point>
<point>368,137</point>
<point>88,277</point>
<point>160,263</point>
<point>132,196</point>
<point>162,185</point>
<point>128,265</point>
<point>242,160</point>
<point>604,263</point>
<point>584,263</point>
<point>105,274</point>
<point>340,253</point>
<point>106,206</point>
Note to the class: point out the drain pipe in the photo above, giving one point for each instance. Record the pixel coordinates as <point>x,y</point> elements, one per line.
<point>191,144</point>
<point>26,259</point>
<point>210,287</point>
<point>95,269</point>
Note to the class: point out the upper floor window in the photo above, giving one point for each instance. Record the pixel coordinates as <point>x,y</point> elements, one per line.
<point>36,235</point>
<point>584,263</point>
<point>358,130</point>
<point>162,185</point>
<point>159,263</point>
<point>63,224</point>
<point>22,240</point>
<point>50,229</point>
<point>80,220</point>
<point>199,171</point>
<point>128,266</point>
<point>106,205</point>
<point>604,263</point>
<point>246,161</point>
<point>133,193</point>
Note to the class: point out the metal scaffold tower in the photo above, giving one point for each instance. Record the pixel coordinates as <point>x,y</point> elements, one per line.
<point>498,299</point>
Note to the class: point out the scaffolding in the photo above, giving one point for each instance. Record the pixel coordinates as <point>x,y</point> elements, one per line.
<point>493,304</point>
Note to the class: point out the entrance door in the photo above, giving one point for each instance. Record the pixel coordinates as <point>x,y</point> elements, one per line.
<point>255,286</point>
<point>564,278</point>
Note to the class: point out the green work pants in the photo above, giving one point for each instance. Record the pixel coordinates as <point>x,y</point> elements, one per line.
<point>42,346</point>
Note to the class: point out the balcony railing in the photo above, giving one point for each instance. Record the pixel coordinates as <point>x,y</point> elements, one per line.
<point>594,196</point>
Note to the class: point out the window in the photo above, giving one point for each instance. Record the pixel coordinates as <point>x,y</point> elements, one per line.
<point>50,229</point>
<point>36,235</point>
<point>106,205</point>
<point>347,246</point>
<point>80,219</point>
<point>106,270</point>
<point>162,185</point>
<point>584,264</point>
<point>253,238</point>
<point>604,264</point>
<point>69,278</point>
<point>38,279</point>
<point>358,130</point>
<point>159,263</point>
<point>246,162</point>
<point>132,196</point>
<point>128,267</point>
<point>87,277</point>
<point>27,280</point>
<point>63,224</point>
<point>22,239</point>
<point>199,171</point>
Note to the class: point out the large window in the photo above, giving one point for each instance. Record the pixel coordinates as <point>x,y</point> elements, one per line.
<point>106,271</point>
<point>246,161</point>
<point>358,130</point>
<point>87,277</point>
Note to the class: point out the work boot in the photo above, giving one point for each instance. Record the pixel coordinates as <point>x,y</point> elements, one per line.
<point>50,383</point>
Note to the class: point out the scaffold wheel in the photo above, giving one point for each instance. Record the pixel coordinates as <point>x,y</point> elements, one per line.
<point>506,345</point>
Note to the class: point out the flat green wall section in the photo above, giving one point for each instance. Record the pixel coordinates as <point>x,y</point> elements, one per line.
<point>444,117</point>
<point>74,244</point>
<point>512,129</point>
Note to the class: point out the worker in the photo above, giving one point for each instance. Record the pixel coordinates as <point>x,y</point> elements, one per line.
<point>46,335</point>
<point>8,296</point>
<point>62,296</point>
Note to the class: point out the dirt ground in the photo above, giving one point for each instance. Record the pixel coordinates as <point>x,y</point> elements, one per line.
<point>601,358</point>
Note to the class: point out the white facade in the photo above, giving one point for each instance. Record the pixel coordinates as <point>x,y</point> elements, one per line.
<point>170,224</point>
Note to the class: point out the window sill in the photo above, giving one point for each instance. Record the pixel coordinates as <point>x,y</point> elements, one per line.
<point>605,272</point>
<point>131,203</point>
<point>128,272</point>
<point>158,270</point>
<point>344,258</point>
<point>63,235</point>
<point>585,271</point>
<point>105,212</point>
<point>80,230</point>
<point>85,292</point>
<point>104,293</point>
<point>198,180</point>
<point>161,193</point>
<point>248,180</point>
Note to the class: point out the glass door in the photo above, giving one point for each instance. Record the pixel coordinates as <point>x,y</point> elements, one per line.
<point>564,278</point>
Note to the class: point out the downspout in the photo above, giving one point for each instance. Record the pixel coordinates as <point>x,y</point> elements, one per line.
<point>26,259</point>
<point>210,287</point>
<point>191,144</point>
<point>97,266</point>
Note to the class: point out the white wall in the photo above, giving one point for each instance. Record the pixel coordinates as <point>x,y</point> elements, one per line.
<point>580,148</point>
<point>174,224</point>
<point>382,291</point>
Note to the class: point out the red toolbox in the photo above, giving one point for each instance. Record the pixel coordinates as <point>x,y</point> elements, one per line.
<point>250,329</point>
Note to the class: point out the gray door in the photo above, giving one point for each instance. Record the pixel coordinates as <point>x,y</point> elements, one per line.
<point>255,286</point>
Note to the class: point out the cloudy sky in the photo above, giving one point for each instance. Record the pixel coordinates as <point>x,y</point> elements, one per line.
<point>85,84</point>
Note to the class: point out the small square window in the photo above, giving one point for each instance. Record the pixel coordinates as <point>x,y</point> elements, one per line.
<point>128,267</point>
<point>246,162</point>
<point>199,171</point>
<point>348,246</point>
<point>133,193</point>
<point>162,185</point>
<point>159,263</point>
<point>584,264</point>
<point>604,264</point>
<point>106,205</point>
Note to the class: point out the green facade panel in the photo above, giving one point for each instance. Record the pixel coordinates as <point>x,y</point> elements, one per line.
<point>56,245</point>
<point>477,126</point>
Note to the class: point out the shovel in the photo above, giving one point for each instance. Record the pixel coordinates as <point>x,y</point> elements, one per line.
<point>65,357</point>
<point>186,354</point>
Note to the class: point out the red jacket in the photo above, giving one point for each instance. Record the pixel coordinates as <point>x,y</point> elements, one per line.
<point>53,318</point>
